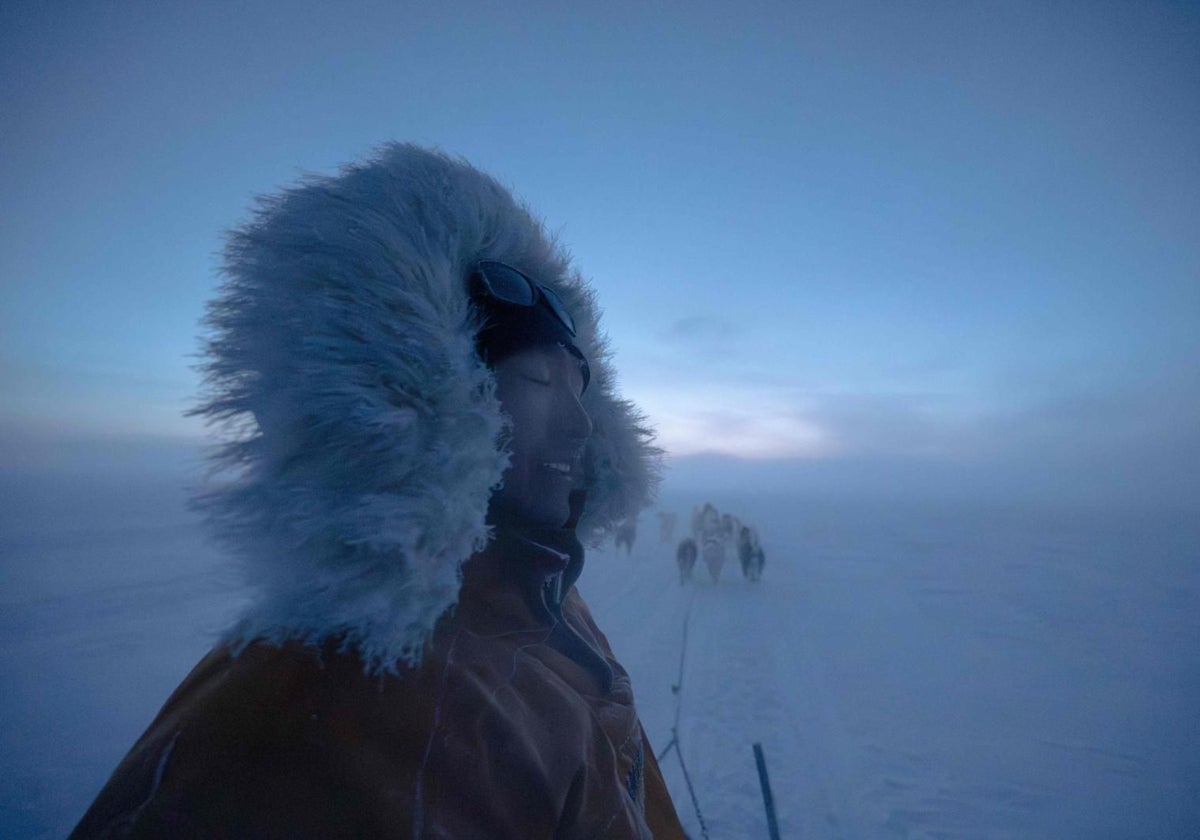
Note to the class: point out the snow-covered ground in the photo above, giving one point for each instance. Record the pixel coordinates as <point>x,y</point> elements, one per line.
<point>910,671</point>
<point>924,672</point>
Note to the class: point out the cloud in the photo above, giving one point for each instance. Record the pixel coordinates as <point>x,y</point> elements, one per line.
<point>743,421</point>
<point>27,449</point>
<point>893,425</point>
<point>712,339</point>
<point>81,400</point>
<point>751,419</point>
<point>701,328</point>
<point>1138,445</point>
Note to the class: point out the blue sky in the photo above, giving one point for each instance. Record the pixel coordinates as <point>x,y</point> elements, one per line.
<point>929,233</point>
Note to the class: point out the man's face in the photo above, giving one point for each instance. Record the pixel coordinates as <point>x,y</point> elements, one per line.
<point>539,390</point>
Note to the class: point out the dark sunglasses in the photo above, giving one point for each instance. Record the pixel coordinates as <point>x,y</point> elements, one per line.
<point>504,283</point>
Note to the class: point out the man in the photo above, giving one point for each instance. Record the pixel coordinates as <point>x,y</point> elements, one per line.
<point>422,420</point>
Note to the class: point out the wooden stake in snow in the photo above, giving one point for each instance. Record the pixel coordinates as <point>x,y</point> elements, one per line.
<point>768,800</point>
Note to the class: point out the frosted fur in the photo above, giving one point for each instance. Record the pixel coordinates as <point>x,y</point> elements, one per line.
<point>363,435</point>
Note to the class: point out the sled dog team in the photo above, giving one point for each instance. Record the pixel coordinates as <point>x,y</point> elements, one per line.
<point>714,536</point>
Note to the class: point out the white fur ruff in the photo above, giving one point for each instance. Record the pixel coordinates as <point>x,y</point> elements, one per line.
<point>363,435</point>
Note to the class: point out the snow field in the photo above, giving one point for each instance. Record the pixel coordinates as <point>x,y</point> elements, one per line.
<point>922,672</point>
<point>911,671</point>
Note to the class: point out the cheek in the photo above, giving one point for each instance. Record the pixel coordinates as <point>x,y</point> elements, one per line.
<point>529,415</point>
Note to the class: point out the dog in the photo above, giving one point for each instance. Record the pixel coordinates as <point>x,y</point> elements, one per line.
<point>714,556</point>
<point>731,526</point>
<point>705,520</point>
<point>626,534</point>
<point>750,553</point>
<point>685,558</point>
<point>707,532</point>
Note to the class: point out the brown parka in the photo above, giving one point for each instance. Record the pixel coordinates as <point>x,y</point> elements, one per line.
<point>518,723</point>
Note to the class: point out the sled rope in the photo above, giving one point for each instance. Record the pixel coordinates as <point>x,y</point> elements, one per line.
<point>677,689</point>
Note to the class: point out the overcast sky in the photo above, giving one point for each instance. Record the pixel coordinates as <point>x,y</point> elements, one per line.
<point>937,234</point>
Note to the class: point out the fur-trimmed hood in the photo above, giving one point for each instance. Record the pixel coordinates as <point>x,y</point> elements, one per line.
<point>363,436</point>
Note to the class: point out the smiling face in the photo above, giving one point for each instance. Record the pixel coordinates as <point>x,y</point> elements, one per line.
<point>539,389</point>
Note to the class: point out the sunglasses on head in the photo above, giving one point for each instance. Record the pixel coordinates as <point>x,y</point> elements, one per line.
<point>504,283</point>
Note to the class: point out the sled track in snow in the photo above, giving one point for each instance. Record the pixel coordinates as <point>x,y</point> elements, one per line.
<point>748,674</point>
<point>751,676</point>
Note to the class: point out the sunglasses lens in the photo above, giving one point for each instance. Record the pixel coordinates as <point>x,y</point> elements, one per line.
<point>506,284</point>
<point>511,286</point>
<point>561,311</point>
